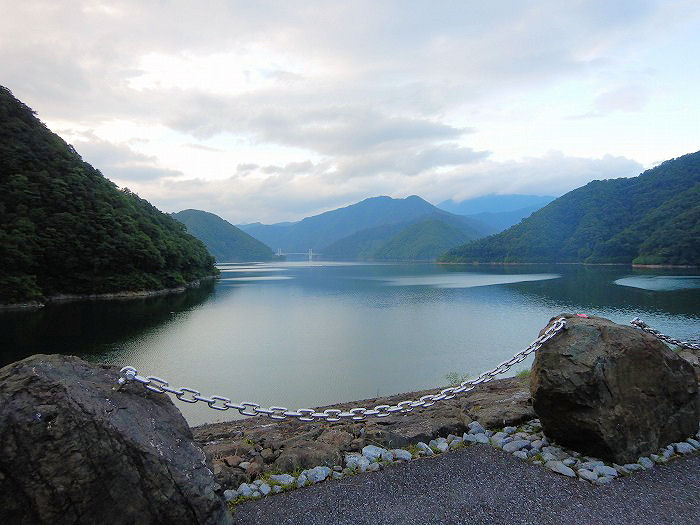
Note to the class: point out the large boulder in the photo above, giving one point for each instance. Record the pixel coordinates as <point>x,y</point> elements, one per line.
<point>74,449</point>
<point>613,391</point>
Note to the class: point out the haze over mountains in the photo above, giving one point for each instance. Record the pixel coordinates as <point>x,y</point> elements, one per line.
<point>653,218</point>
<point>369,229</point>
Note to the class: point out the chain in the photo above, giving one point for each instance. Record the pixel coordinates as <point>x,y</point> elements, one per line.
<point>246,408</point>
<point>648,329</point>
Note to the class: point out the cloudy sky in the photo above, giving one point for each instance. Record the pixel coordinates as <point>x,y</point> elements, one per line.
<point>273,111</point>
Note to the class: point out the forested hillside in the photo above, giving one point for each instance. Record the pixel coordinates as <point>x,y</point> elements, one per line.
<point>653,218</point>
<point>223,240</point>
<point>64,228</point>
<point>420,240</point>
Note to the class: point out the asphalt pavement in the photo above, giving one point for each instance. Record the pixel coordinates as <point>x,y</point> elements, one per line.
<point>481,484</point>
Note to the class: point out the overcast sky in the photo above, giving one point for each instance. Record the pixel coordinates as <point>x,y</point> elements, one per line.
<point>274,111</point>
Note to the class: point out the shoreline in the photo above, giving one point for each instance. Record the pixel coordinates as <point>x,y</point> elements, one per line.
<point>125,295</point>
<point>492,263</point>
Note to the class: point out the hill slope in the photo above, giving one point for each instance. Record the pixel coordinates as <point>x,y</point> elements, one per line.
<point>321,231</point>
<point>223,240</point>
<point>64,228</point>
<point>651,218</point>
<point>423,239</point>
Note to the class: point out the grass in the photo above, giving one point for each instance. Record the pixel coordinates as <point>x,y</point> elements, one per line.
<point>524,376</point>
<point>455,378</point>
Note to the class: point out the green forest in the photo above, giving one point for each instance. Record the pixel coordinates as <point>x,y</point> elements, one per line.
<point>223,240</point>
<point>66,229</point>
<point>653,218</point>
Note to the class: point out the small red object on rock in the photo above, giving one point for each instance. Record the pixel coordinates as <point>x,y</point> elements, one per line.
<point>582,315</point>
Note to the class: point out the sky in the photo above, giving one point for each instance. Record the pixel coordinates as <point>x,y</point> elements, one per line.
<point>273,111</point>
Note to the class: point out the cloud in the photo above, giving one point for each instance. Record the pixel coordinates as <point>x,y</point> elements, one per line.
<point>119,161</point>
<point>295,191</point>
<point>286,109</point>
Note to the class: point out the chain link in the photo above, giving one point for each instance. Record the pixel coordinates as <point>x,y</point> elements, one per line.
<point>246,408</point>
<point>648,329</point>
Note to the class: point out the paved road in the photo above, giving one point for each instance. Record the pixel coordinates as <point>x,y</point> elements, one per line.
<point>484,485</point>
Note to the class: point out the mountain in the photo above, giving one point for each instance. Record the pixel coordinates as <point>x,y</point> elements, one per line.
<point>653,218</point>
<point>498,221</point>
<point>321,231</point>
<point>423,239</point>
<point>495,204</point>
<point>65,229</point>
<point>223,240</point>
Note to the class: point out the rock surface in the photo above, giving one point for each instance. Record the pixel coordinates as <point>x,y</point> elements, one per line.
<point>75,450</point>
<point>613,391</point>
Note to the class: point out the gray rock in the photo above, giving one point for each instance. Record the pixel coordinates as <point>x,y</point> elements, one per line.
<point>621,469</point>
<point>548,456</point>
<point>694,442</point>
<point>645,462</point>
<point>588,475</point>
<point>265,489</point>
<point>355,461</point>
<point>403,455</point>
<point>520,454</point>
<point>424,448</point>
<point>277,489</point>
<point>509,430</point>
<point>560,468</point>
<point>590,465</point>
<point>633,467</point>
<point>604,470</point>
<point>476,428</point>
<point>244,465</point>
<point>317,474</point>
<point>302,480</point>
<point>374,467</point>
<point>603,480</point>
<point>79,450</point>
<point>256,494</point>
<point>613,391</point>
<point>537,444</point>
<point>482,438</point>
<point>258,482</point>
<point>439,444</point>
<point>455,443</point>
<point>569,462</point>
<point>372,452</point>
<point>230,494</point>
<point>684,448</point>
<point>283,479</point>
<point>515,445</point>
<point>245,490</point>
<point>336,475</point>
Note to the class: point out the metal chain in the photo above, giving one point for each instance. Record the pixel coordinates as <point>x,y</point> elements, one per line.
<point>246,408</point>
<point>648,329</point>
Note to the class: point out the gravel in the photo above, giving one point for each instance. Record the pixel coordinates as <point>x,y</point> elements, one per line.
<point>483,485</point>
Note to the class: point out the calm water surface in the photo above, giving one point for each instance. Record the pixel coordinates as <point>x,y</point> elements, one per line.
<point>310,334</point>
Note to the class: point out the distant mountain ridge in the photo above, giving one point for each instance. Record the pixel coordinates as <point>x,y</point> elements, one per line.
<point>373,215</point>
<point>223,240</point>
<point>494,203</point>
<point>653,218</point>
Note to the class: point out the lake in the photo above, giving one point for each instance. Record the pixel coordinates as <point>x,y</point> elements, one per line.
<point>309,334</point>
